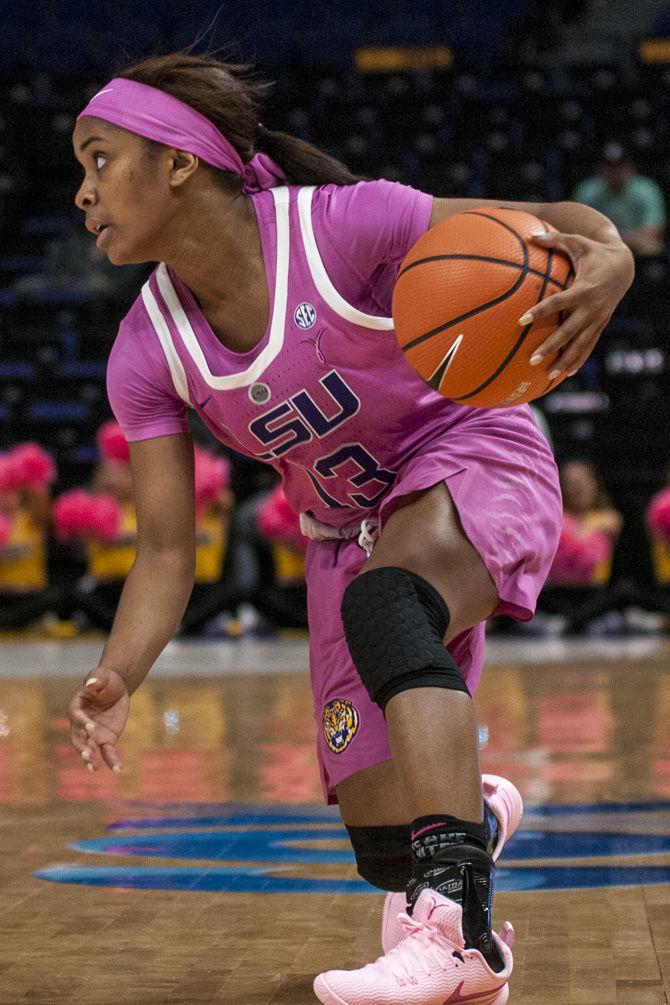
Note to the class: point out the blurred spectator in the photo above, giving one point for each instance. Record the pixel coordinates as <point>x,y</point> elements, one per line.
<point>658,526</point>
<point>73,265</point>
<point>103,522</point>
<point>578,588</point>
<point>215,588</point>
<point>634,203</point>
<point>270,564</point>
<point>106,522</point>
<point>283,601</point>
<point>25,516</point>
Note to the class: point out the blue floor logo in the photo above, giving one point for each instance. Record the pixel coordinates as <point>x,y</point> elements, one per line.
<point>269,849</point>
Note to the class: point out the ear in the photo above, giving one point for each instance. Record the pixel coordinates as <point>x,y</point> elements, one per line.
<point>183,166</point>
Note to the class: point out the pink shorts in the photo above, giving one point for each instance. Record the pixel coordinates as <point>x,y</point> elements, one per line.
<point>501,474</point>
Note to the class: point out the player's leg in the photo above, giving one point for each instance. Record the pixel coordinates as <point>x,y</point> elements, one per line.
<point>430,726</point>
<point>372,807</point>
<point>424,563</point>
<point>428,723</point>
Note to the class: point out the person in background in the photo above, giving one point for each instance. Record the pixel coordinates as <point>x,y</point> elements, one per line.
<point>578,586</point>
<point>74,266</point>
<point>106,522</point>
<point>214,590</point>
<point>283,601</point>
<point>658,527</point>
<point>634,203</point>
<point>25,516</point>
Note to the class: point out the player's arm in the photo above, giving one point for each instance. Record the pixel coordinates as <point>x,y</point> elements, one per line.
<point>568,217</point>
<point>604,269</point>
<point>160,582</point>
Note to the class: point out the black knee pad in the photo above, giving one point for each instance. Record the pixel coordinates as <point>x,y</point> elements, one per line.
<point>383,855</point>
<point>394,622</point>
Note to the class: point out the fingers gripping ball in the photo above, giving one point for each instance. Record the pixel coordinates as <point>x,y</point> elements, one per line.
<point>457,302</point>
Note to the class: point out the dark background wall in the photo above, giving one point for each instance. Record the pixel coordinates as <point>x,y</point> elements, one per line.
<point>71,34</point>
<point>516,117</point>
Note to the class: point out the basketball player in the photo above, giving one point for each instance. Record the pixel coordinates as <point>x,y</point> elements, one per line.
<point>269,317</point>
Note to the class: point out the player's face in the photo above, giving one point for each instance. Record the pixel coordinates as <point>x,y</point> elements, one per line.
<point>121,194</point>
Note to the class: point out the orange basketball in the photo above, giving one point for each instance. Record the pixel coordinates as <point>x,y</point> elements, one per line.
<point>457,302</point>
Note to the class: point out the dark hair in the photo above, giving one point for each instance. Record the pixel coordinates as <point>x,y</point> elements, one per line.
<point>230,95</point>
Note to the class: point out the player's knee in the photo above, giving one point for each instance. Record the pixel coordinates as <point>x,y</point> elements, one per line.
<point>395,622</point>
<point>383,855</point>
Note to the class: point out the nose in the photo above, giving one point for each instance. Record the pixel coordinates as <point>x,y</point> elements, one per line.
<point>85,196</point>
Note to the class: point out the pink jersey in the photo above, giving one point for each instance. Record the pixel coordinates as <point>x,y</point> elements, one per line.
<point>326,396</point>
<point>328,399</point>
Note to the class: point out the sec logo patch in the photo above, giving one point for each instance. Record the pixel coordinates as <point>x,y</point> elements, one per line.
<point>340,724</point>
<point>304,316</point>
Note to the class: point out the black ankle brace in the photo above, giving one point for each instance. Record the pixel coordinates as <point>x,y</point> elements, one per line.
<point>451,857</point>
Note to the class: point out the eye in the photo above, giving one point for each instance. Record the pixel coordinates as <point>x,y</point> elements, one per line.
<point>97,158</point>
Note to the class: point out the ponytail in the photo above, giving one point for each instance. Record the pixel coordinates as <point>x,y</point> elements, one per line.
<point>302,162</point>
<point>230,96</point>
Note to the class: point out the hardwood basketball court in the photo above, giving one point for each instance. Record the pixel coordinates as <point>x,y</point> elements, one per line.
<point>157,885</point>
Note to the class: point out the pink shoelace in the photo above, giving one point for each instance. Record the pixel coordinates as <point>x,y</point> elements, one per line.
<point>422,948</point>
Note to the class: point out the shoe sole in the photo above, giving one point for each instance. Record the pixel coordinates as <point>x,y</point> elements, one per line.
<point>497,997</point>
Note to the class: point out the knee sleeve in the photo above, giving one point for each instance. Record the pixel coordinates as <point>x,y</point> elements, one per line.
<point>383,855</point>
<point>394,623</point>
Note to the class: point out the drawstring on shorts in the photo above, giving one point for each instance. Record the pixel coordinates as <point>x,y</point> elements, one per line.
<point>367,531</point>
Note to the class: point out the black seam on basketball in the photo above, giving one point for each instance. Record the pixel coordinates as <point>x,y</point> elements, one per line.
<point>513,351</point>
<point>545,275</point>
<point>524,271</point>
<point>482,307</point>
<point>464,317</point>
<point>480,258</point>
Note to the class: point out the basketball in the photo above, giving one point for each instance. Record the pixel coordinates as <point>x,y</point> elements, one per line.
<point>457,302</point>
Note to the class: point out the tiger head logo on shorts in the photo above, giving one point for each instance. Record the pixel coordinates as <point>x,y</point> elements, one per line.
<point>340,724</point>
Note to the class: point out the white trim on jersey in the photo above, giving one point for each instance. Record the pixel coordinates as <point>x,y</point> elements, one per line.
<point>177,371</point>
<point>321,278</point>
<point>276,339</point>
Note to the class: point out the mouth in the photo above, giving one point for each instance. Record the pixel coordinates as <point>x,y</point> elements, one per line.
<point>95,226</point>
<point>99,229</point>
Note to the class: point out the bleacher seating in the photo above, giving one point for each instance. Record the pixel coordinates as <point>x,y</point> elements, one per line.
<point>526,133</point>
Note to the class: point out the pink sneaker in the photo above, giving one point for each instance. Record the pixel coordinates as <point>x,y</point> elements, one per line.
<point>506,802</point>
<point>429,966</point>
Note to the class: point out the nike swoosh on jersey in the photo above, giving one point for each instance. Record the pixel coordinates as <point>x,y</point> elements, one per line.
<point>203,403</point>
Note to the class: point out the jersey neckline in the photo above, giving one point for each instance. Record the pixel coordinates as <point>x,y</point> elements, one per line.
<point>214,346</point>
<point>196,333</point>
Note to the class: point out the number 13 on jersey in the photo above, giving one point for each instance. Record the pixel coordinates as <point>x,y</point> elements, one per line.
<point>350,468</point>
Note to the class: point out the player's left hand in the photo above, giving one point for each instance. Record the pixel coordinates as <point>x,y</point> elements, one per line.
<point>603,273</point>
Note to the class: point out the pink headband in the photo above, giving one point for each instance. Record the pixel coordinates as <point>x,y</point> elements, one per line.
<point>158,116</point>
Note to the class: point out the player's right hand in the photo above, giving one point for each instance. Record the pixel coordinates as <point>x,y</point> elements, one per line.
<point>98,713</point>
